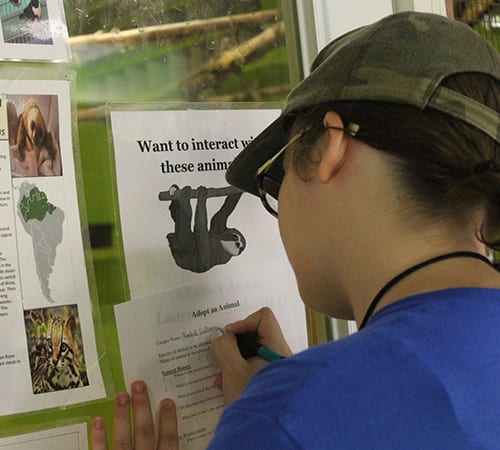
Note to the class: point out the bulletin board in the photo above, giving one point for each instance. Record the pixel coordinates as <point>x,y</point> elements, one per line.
<point>63,264</point>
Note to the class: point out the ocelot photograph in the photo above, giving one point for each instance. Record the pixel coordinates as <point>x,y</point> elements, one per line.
<point>55,348</point>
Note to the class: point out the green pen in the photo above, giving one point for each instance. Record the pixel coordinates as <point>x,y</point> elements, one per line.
<point>249,348</point>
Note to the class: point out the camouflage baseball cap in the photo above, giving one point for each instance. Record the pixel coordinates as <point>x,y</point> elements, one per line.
<point>402,58</point>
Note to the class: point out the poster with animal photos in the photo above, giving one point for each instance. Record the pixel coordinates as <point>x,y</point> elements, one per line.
<point>48,352</point>
<point>33,30</point>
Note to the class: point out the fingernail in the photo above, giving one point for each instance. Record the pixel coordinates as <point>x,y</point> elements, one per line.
<point>138,387</point>
<point>167,403</point>
<point>122,399</point>
<point>98,423</point>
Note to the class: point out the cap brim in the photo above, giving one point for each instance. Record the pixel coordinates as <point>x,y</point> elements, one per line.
<point>241,172</point>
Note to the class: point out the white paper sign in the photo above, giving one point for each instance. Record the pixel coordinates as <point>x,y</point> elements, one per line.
<point>164,157</point>
<point>169,344</point>
<point>48,354</point>
<point>71,437</point>
<point>199,253</point>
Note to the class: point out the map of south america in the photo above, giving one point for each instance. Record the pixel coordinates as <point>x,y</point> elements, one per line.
<point>44,223</point>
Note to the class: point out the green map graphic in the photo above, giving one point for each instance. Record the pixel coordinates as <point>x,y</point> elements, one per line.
<point>43,221</point>
<point>35,206</point>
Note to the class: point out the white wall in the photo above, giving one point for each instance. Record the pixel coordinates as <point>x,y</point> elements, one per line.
<point>320,21</point>
<point>336,17</point>
<point>432,6</point>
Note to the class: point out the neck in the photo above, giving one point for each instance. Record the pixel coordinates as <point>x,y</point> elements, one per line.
<point>400,277</point>
<point>379,235</point>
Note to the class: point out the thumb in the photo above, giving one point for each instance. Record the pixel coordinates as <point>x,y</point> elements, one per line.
<point>226,351</point>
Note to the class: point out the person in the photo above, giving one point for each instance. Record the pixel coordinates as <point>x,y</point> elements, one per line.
<point>386,160</point>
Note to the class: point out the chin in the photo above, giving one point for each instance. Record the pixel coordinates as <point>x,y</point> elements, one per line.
<point>327,305</point>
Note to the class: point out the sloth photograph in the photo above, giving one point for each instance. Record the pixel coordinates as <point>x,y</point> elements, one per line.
<point>33,125</point>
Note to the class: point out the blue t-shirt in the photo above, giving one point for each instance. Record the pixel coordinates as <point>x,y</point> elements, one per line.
<point>423,374</point>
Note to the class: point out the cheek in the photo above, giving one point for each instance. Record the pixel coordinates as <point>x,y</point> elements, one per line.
<point>286,219</point>
<point>294,223</point>
<point>298,216</point>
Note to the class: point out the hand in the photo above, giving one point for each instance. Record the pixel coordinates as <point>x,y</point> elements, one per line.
<point>143,437</point>
<point>237,371</point>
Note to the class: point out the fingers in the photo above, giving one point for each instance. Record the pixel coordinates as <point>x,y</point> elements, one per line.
<point>218,380</point>
<point>251,323</point>
<point>144,435</point>
<point>98,434</point>
<point>236,371</point>
<point>226,351</point>
<point>167,426</point>
<point>228,355</point>
<point>264,324</point>
<point>122,437</point>
<point>233,378</point>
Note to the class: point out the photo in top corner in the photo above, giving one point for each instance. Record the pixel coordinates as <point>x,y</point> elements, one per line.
<point>25,22</point>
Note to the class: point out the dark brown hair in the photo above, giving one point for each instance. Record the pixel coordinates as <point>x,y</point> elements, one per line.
<point>434,155</point>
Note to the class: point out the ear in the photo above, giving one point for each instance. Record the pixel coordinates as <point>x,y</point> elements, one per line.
<point>49,143</point>
<point>21,137</point>
<point>71,324</point>
<point>335,149</point>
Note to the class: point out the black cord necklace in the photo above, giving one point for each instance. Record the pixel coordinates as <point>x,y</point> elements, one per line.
<point>412,269</point>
